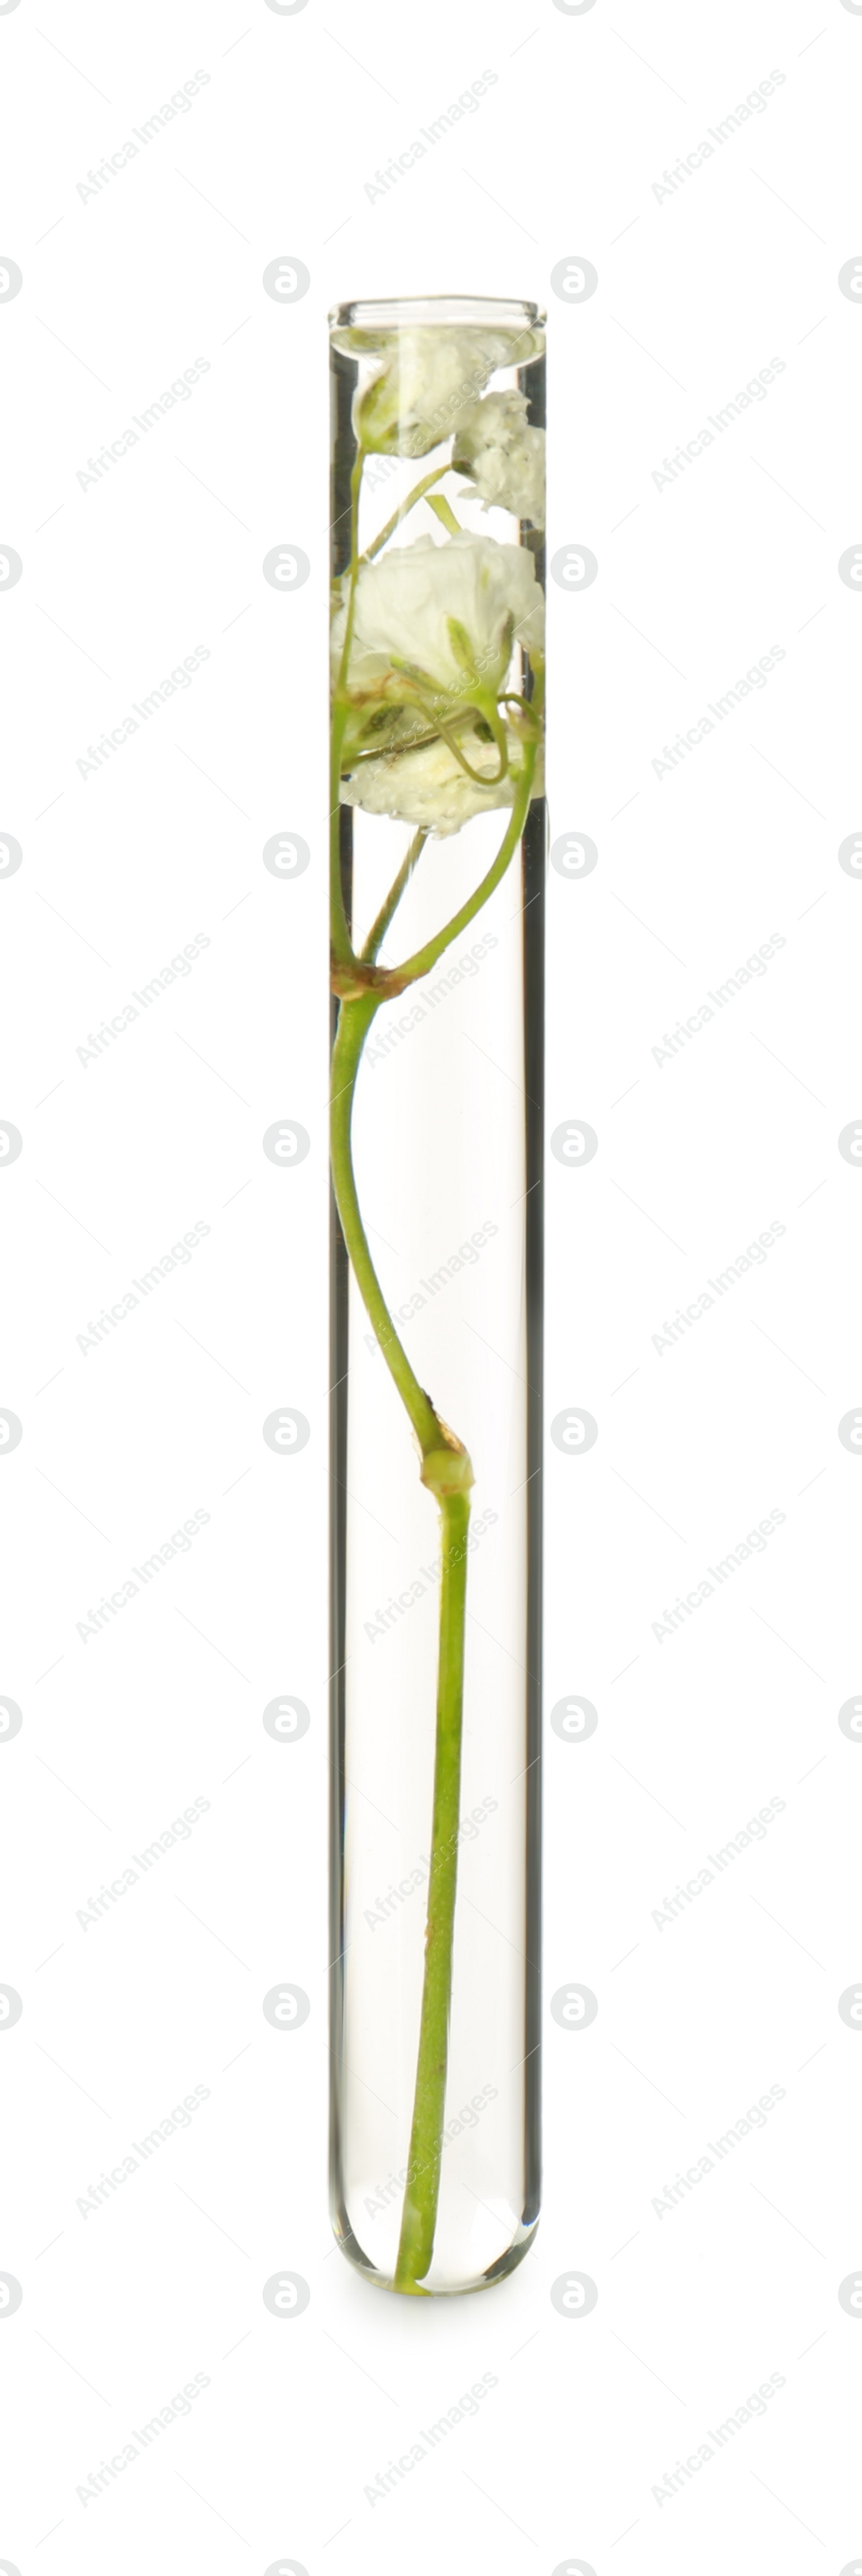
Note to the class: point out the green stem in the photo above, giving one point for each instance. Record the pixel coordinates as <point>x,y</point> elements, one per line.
<point>447,1473</point>
<point>354,1022</point>
<point>417,494</point>
<point>479,777</point>
<point>488,707</point>
<point>424,958</point>
<point>395,750</point>
<point>419,2215</point>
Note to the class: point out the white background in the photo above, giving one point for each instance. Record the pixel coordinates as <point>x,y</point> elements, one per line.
<point>124,1154</point>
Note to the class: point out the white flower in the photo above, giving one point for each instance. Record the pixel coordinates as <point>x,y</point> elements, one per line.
<point>448,614</point>
<point>428,786</point>
<point>504,456</point>
<point>428,378</point>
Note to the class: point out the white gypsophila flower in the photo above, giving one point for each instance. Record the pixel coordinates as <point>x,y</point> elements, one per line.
<point>409,600</point>
<point>504,456</point>
<point>427,378</point>
<point>428,786</point>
